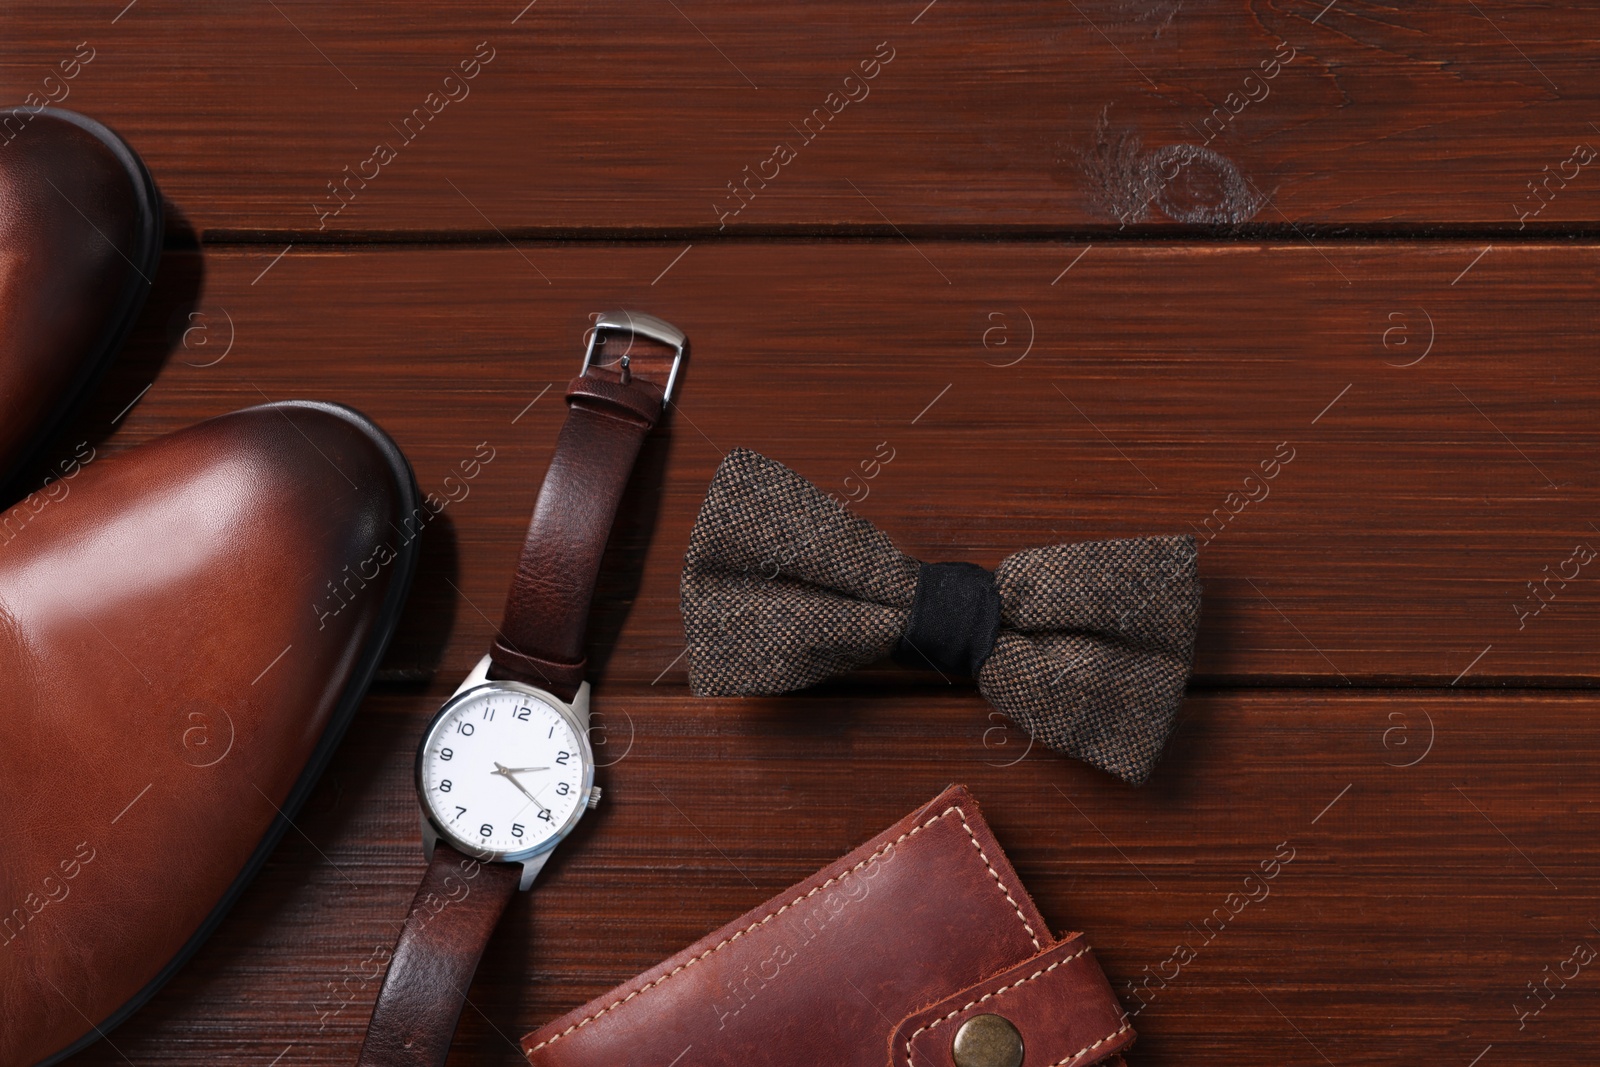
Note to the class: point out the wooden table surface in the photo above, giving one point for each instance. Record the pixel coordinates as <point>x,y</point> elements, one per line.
<point>1084,269</point>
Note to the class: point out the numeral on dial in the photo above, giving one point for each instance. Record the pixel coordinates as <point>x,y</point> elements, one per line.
<point>517,829</point>
<point>545,815</point>
<point>446,754</point>
<point>563,788</point>
<point>523,713</point>
<point>444,786</point>
<point>460,811</point>
<point>485,830</point>
<point>562,757</point>
<point>465,727</point>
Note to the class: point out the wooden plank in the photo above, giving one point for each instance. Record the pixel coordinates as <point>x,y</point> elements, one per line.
<point>1387,450</point>
<point>1415,491</point>
<point>1399,911</point>
<point>983,116</point>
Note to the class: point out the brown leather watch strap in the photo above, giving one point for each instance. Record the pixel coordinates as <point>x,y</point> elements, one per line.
<point>541,637</point>
<point>456,908</point>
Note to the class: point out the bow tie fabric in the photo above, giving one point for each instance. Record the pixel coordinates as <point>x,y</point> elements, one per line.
<point>1086,646</point>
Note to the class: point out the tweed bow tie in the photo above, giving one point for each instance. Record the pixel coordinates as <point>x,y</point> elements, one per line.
<point>1086,646</point>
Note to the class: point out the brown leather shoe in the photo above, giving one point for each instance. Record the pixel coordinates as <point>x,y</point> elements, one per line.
<point>184,636</point>
<point>80,236</point>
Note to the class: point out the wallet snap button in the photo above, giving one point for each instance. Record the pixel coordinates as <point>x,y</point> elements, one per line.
<point>987,1041</point>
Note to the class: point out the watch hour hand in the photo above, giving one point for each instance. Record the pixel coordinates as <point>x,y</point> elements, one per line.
<point>506,774</point>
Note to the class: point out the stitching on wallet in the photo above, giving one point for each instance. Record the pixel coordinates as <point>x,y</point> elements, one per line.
<point>996,876</point>
<point>995,993</point>
<point>800,900</point>
<point>1095,1045</point>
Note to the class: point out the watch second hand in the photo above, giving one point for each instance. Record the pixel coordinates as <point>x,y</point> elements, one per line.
<point>506,774</point>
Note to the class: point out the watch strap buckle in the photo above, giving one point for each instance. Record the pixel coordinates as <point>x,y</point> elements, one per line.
<point>639,324</point>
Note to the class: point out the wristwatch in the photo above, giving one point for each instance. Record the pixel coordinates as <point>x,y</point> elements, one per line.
<point>505,771</point>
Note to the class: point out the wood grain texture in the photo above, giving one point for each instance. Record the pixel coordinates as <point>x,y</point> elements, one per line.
<point>1390,550</point>
<point>1415,904</point>
<point>1086,271</point>
<point>988,115</point>
<point>1410,508</point>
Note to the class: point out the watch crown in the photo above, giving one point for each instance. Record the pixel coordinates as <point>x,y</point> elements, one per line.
<point>594,798</point>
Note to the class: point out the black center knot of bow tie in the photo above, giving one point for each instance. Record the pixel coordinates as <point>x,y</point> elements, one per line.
<point>954,620</point>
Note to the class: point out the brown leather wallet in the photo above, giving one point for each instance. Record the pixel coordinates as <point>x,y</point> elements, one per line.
<point>881,959</point>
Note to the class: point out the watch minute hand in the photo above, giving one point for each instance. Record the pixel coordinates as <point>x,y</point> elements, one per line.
<point>506,774</point>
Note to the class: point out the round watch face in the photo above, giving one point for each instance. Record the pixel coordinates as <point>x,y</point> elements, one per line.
<point>503,772</point>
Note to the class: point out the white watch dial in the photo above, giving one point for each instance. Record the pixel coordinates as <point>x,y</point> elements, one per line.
<point>502,771</point>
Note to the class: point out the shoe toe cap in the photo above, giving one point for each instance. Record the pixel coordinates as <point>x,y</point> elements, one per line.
<point>182,630</point>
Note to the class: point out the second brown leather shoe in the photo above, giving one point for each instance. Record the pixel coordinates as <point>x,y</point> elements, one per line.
<point>80,236</point>
<point>183,638</point>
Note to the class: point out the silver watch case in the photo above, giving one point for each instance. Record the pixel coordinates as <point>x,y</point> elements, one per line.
<point>577,715</point>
